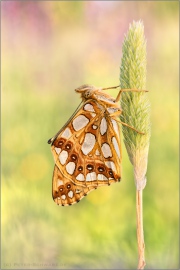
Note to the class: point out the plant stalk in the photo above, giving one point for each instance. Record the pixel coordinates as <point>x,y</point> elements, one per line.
<point>140,233</point>
<point>136,113</point>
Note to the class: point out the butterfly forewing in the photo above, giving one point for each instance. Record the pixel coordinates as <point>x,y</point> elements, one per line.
<point>87,153</point>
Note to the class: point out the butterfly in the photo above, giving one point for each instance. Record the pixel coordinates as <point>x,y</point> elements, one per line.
<point>87,149</point>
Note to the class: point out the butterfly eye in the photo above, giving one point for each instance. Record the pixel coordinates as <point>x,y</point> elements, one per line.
<point>87,94</point>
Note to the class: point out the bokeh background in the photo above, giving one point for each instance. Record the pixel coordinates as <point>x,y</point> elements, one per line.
<point>48,49</point>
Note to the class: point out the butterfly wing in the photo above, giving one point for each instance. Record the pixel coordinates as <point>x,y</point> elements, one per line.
<point>65,192</point>
<point>87,152</point>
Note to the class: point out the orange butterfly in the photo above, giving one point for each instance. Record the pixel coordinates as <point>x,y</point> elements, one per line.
<point>87,150</point>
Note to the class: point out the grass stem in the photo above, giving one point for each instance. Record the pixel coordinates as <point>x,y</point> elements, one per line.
<point>140,233</point>
<point>136,114</point>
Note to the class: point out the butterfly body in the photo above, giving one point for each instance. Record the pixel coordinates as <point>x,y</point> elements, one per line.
<point>87,150</point>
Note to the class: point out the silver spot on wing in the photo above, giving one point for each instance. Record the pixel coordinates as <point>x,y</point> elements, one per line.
<point>91,176</point>
<point>101,177</point>
<point>80,122</point>
<point>88,144</point>
<point>111,165</point>
<point>63,157</point>
<point>66,133</point>
<point>88,107</point>
<point>80,177</point>
<point>70,194</point>
<point>103,126</point>
<point>116,146</point>
<point>106,150</point>
<point>70,167</point>
<point>115,126</point>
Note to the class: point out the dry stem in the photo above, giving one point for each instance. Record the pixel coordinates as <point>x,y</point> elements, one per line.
<point>140,233</point>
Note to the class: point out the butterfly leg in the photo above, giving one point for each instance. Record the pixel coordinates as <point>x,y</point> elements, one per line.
<point>122,123</point>
<point>128,90</point>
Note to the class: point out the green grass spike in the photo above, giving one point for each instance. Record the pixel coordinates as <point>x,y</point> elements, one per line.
<point>135,106</point>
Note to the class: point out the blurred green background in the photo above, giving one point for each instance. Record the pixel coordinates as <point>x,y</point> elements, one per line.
<point>48,49</point>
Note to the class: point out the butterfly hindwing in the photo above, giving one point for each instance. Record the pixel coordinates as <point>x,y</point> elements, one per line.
<point>64,191</point>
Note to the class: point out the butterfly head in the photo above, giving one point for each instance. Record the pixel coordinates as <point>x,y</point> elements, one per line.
<point>86,90</point>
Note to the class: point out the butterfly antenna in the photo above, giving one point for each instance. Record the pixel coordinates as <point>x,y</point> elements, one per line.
<point>111,87</point>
